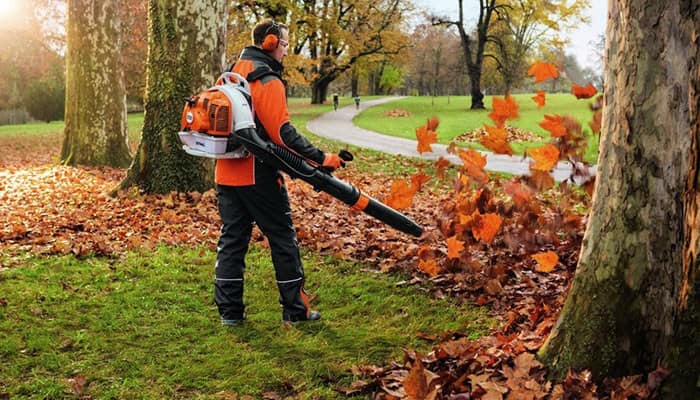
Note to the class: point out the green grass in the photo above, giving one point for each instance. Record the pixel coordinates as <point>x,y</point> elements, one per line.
<point>145,326</point>
<point>456,118</point>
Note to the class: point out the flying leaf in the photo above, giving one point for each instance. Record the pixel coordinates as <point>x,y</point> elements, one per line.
<point>401,195</point>
<point>543,71</point>
<point>454,247</point>
<point>584,92</point>
<point>474,163</point>
<point>546,261</point>
<point>441,165</point>
<point>485,227</point>
<point>539,99</point>
<point>496,140</point>
<point>541,180</point>
<point>433,124</point>
<point>545,157</point>
<point>596,122</point>
<point>425,138</point>
<point>503,109</point>
<point>554,125</point>
<point>520,194</point>
<point>418,179</point>
<point>430,267</point>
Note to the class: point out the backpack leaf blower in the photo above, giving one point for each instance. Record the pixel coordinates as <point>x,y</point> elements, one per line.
<point>219,123</point>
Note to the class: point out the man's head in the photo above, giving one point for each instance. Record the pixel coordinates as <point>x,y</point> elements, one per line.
<point>272,37</point>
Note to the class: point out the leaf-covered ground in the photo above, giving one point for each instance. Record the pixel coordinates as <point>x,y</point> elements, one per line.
<point>54,209</point>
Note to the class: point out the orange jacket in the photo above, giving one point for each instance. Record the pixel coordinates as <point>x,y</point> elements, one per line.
<point>272,119</point>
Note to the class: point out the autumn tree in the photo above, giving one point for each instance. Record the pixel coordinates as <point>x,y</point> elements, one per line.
<point>95,118</point>
<point>473,44</point>
<point>186,42</point>
<point>328,37</point>
<point>635,298</point>
<point>522,24</point>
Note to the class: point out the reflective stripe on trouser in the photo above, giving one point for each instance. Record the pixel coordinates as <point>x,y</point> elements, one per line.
<point>267,204</point>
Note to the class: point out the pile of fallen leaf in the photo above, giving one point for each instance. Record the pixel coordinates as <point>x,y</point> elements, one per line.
<point>513,135</point>
<point>398,113</point>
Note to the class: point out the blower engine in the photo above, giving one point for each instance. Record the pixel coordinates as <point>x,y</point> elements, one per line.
<point>218,123</point>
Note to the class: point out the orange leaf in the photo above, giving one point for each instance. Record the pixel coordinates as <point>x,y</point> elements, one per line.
<point>425,138</point>
<point>496,140</point>
<point>596,122</point>
<point>545,157</point>
<point>418,179</point>
<point>454,247</point>
<point>441,165</point>
<point>539,98</point>
<point>401,195</point>
<point>485,227</point>
<point>584,92</point>
<point>520,194</point>
<point>433,124</point>
<point>471,156</point>
<point>474,163</point>
<point>430,267</point>
<point>554,125</point>
<point>503,109</point>
<point>546,261</point>
<point>543,71</point>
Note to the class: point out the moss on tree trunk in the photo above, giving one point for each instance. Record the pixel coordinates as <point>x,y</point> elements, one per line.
<point>95,131</point>
<point>633,303</point>
<point>186,43</point>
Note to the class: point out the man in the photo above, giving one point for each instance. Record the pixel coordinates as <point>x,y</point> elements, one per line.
<point>250,191</point>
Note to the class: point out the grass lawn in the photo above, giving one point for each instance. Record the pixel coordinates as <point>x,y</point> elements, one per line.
<point>145,326</point>
<point>456,118</point>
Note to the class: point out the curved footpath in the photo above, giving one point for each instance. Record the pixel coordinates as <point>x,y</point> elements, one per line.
<point>338,125</point>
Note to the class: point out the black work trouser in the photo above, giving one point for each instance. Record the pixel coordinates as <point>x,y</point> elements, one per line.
<point>266,203</point>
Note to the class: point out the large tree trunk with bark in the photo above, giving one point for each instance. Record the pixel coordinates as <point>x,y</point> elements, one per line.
<point>634,302</point>
<point>95,131</point>
<point>477,95</point>
<point>186,44</point>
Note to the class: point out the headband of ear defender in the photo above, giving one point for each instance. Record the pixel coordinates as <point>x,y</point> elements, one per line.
<point>272,39</point>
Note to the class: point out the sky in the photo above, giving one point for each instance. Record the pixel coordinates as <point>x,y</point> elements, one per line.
<point>580,39</point>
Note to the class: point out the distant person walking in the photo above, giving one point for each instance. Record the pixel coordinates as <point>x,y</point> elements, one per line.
<point>357,102</point>
<point>335,101</point>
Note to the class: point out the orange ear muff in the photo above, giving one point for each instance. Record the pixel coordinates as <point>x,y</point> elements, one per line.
<point>270,43</point>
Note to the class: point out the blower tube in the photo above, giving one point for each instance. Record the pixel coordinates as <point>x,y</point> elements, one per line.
<point>297,167</point>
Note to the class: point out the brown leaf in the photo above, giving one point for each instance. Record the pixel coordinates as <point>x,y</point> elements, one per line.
<point>415,385</point>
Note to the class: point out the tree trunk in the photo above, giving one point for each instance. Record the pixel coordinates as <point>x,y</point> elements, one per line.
<point>477,95</point>
<point>634,301</point>
<point>186,43</point>
<point>95,118</point>
<point>355,82</point>
<point>319,90</point>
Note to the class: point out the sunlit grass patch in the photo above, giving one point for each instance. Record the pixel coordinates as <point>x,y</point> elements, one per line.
<point>145,326</point>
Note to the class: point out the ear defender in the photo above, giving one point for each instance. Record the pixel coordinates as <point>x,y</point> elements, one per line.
<point>271,42</point>
<point>272,39</point>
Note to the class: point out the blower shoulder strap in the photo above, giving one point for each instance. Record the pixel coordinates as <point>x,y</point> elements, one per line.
<point>261,72</point>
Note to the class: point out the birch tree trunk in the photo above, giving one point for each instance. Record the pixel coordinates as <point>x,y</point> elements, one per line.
<point>95,131</point>
<point>634,302</point>
<point>186,49</point>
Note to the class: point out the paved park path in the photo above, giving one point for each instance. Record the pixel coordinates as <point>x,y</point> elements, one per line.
<point>338,125</point>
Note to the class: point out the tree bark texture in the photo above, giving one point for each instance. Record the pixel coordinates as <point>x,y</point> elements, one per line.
<point>95,131</point>
<point>633,304</point>
<point>186,44</point>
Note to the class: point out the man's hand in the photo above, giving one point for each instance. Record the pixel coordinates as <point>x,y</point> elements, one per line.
<point>332,162</point>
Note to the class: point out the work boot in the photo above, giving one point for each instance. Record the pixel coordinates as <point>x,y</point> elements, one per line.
<point>232,322</point>
<point>312,316</point>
